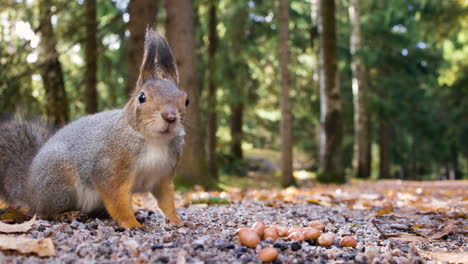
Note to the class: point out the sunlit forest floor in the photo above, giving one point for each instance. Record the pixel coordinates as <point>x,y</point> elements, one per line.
<point>393,222</point>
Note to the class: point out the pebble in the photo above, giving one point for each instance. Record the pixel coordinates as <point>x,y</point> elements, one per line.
<point>399,226</point>
<point>295,246</point>
<point>281,245</point>
<point>155,246</point>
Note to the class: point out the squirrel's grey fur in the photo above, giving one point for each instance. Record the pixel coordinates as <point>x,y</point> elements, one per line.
<point>34,165</point>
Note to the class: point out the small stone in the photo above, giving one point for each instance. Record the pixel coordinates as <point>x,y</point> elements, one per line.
<point>295,246</point>
<point>227,246</point>
<point>281,245</point>
<point>182,231</point>
<point>130,244</point>
<point>198,244</point>
<point>230,224</point>
<point>240,251</point>
<point>403,248</point>
<point>399,226</point>
<point>164,259</point>
<point>246,259</point>
<point>155,246</point>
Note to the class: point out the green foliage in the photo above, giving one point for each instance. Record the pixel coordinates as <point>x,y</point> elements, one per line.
<point>415,51</point>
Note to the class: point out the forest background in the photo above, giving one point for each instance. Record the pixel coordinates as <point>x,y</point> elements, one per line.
<point>291,90</point>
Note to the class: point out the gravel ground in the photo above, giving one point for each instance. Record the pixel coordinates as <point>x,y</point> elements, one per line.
<point>208,236</point>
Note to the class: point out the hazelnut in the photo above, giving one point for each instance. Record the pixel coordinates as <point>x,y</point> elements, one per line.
<point>268,254</point>
<point>326,240</point>
<point>282,231</point>
<point>271,232</point>
<point>317,225</point>
<point>295,228</point>
<point>311,233</point>
<point>296,235</point>
<point>259,228</point>
<point>348,241</point>
<point>242,229</point>
<point>249,239</point>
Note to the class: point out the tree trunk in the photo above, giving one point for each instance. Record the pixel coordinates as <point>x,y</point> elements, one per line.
<point>237,113</point>
<point>51,69</point>
<point>361,163</point>
<point>181,36</point>
<point>384,149</point>
<point>91,57</point>
<point>237,104</point>
<point>142,14</point>
<point>330,104</point>
<point>287,177</point>
<point>212,115</point>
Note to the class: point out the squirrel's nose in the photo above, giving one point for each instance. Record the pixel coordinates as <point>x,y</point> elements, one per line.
<point>169,117</point>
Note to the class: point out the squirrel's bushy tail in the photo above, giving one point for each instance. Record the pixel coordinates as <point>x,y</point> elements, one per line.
<point>20,140</point>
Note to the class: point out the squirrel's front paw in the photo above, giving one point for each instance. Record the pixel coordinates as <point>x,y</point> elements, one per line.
<point>130,224</point>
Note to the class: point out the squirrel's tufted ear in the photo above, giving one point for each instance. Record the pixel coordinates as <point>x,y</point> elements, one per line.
<point>158,61</point>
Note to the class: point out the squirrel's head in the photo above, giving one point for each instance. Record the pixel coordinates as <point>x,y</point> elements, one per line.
<point>157,106</point>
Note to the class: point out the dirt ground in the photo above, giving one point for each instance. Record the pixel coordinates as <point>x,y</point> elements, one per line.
<point>393,222</point>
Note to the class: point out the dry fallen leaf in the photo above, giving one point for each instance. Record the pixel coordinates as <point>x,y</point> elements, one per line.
<point>42,247</point>
<point>435,233</point>
<point>387,209</point>
<point>17,228</point>
<point>451,257</point>
<point>13,215</point>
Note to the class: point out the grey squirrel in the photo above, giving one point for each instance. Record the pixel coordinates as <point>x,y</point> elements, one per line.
<point>98,161</point>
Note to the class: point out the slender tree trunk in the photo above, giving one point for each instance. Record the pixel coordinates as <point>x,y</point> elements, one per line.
<point>330,104</point>
<point>212,115</point>
<point>237,113</point>
<point>181,36</point>
<point>142,14</point>
<point>361,163</point>
<point>287,177</point>
<point>51,69</point>
<point>91,57</point>
<point>237,102</point>
<point>384,149</point>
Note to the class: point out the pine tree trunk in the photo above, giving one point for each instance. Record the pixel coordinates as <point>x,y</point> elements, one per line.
<point>91,57</point>
<point>287,178</point>
<point>142,14</point>
<point>181,36</point>
<point>237,104</point>
<point>361,163</point>
<point>384,149</point>
<point>51,69</point>
<point>237,114</point>
<point>330,104</point>
<point>212,115</point>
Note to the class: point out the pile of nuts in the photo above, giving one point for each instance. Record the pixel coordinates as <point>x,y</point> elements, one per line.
<point>251,236</point>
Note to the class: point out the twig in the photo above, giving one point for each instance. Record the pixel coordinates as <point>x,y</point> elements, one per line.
<point>378,229</point>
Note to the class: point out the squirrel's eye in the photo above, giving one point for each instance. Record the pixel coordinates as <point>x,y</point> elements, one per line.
<point>142,98</point>
<point>187,102</point>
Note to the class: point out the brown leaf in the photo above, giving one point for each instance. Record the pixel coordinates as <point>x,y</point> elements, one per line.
<point>408,238</point>
<point>386,210</point>
<point>434,233</point>
<point>451,257</point>
<point>446,230</point>
<point>12,215</point>
<point>42,247</point>
<point>17,228</point>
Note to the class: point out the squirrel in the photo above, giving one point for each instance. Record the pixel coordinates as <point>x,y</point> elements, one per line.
<point>96,162</point>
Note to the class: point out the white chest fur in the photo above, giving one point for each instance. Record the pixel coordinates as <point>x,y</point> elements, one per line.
<point>154,163</point>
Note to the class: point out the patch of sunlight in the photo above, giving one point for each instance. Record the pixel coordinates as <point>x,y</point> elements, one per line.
<point>304,175</point>
<point>269,115</point>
